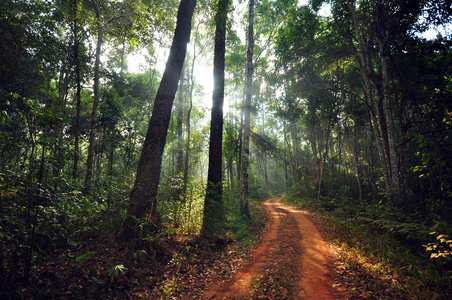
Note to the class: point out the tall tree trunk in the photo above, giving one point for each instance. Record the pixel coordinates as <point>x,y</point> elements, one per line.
<point>78,93</point>
<point>62,93</point>
<point>376,113</point>
<point>264,153</point>
<point>296,156</point>
<point>180,120</point>
<point>151,89</point>
<point>323,158</point>
<point>240,147</point>
<point>213,204</point>
<point>276,176</point>
<point>287,143</point>
<point>188,129</point>
<point>383,42</point>
<point>358,176</point>
<point>244,204</point>
<point>32,200</point>
<point>143,197</point>
<point>93,120</point>
<point>123,52</point>
<point>191,80</point>
<point>111,158</point>
<point>177,192</point>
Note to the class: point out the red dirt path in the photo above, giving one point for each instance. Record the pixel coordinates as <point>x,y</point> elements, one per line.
<point>292,247</point>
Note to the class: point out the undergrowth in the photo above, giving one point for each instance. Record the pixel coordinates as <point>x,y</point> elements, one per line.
<point>385,250</point>
<point>62,244</point>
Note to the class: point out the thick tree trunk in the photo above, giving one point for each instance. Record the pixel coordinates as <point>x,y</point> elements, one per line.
<point>213,204</point>
<point>93,119</point>
<point>143,197</point>
<point>244,204</point>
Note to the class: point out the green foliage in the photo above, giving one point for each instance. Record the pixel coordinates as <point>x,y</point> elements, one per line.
<point>181,217</point>
<point>85,257</point>
<point>388,240</point>
<point>442,247</point>
<point>114,272</point>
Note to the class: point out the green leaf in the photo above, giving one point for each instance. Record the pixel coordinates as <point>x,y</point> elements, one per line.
<point>424,144</point>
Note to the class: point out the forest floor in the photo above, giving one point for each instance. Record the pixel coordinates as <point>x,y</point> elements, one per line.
<point>286,256</point>
<point>292,262</point>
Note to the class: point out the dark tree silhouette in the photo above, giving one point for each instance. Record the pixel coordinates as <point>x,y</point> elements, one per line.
<point>213,205</point>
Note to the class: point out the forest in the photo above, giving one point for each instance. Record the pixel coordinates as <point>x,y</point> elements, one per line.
<point>139,140</point>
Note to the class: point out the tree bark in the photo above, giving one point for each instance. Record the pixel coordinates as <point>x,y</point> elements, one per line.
<point>93,119</point>
<point>213,204</point>
<point>376,113</point>
<point>188,129</point>
<point>78,94</point>
<point>180,120</point>
<point>143,197</point>
<point>358,176</point>
<point>244,202</point>
<point>383,40</point>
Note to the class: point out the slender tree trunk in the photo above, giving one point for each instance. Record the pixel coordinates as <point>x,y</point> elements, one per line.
<point>188,128</point>
<point>62,93</point>
<point>111,158</point>
<point>287,142</point>
<point>296,156</point>
<point>31,199</point>
<point>244,204</point>
<point>213,204</point>
<point>264,154</point>
<point>93,120</point>
<point>123,52</point>
<point>323,159</point>
<point>240,147</point>
<point>394,164</point>
<point>180,120</point>
<point>231,174</point>
<point>78,93</point>
<point>187,121</point>
<point>151,90</point>
<point>276,176</point>
<point>178,176</point>
<point>358,176</point>
<point>383,42</point>
<point>377,114</point>
<point>372,167</point>
<point>143,197</point>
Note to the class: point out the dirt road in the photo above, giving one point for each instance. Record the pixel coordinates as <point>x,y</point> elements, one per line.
<point>293,249</point>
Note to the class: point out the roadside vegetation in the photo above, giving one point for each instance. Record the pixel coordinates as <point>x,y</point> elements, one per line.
<point>75,253</point>
<point>383,254</point>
